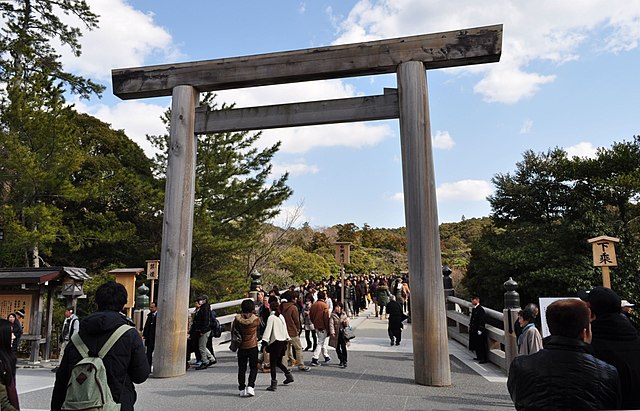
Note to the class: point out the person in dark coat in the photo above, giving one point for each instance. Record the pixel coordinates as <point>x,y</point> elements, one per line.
<point>478,331</point>
<point>615,341</point>
<point>16,328</point>
<point>396,317</point>
<point>564,375</point>
<point>126,362</point>
<point>149,331</point>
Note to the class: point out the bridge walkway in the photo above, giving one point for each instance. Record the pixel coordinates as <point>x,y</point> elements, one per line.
<point>379,377</point>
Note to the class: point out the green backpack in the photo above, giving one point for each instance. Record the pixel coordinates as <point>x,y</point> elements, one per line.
<point>87,388</point>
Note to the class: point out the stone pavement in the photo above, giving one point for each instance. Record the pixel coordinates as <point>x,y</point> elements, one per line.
<point>379,377</point>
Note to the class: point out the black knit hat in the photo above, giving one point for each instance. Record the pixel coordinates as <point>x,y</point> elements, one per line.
<point>602,300</point>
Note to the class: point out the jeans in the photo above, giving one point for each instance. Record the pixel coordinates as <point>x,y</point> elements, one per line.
<point>244,355</point>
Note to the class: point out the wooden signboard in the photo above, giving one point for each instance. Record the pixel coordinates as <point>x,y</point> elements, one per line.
<point>153,267</point>
<point>10,303</point>
<point>342,253</point>
<point>604,255</point>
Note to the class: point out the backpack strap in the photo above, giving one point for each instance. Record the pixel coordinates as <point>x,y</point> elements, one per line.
<point>80,345</point>
<point>115,336</point>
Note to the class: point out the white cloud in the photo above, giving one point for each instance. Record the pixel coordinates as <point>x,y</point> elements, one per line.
<point>291,214</point>
<point>136,118</point>
<point>583,149</point>
<point>467,190</point>
<point>295,169</point>
<point>302,7</point>
<point>443,140</point>
<point>526,127</point>
<point>125,38</point>
<point>545,30</point>
<point>397,197</point>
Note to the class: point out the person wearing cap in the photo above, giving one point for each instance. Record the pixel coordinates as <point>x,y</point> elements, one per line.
<point>564,375</point>
<point>627,308</point>
<point>616,341</point>
<point>200,332</point>
<point>70,326</point>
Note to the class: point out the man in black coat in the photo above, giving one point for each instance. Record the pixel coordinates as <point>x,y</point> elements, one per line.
<point>564,375</point>
<point>125,363</point>
<point>478,331</point>
<point>396,317</point>
<point>149,331</point>
<point>615,341</point>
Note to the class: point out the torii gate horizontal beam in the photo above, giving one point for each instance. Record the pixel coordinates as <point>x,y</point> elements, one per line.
<point>381,107</point>
<point>437,50</point>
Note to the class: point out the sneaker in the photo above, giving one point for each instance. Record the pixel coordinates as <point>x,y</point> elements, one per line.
<point>315,363</point>
<point>341,364</point>
<point>250,392</point>
<point>212,362</point>
<point>243,393</point>
<point>327,359</point>
<point>398,343</point>
<point>391,342</point>
<point>305,368</point>
<point>344,364</point>
<point>202,366</point>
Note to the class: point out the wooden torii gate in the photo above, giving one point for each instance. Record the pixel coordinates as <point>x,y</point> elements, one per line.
<point>408,57</point>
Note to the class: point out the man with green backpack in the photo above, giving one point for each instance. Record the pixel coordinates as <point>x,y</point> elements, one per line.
<point>107,350</point>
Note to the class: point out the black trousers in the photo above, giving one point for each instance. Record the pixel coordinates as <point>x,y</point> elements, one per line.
<point>250,355</point>
<point>277,349</point>
<point>341,348</point>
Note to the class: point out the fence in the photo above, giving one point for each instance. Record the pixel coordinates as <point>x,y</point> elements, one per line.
<point>458,326</point>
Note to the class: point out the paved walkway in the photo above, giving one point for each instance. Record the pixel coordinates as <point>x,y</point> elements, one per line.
<point>379,377</point>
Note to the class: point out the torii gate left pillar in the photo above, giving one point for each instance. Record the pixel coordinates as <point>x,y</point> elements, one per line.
<point>408,57</point>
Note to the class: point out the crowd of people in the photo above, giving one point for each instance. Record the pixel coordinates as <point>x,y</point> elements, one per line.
<point>590,360</point>
<point>272,326</point>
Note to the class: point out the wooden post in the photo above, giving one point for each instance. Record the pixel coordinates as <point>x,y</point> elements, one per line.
<point>429,325</point>
<point>606,277</point>
<point>47,345</point>
<point>173,292</point>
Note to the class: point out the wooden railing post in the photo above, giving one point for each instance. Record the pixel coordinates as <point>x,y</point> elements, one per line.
<point>510,312</point>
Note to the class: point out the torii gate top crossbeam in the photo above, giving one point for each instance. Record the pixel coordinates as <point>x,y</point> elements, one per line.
<point>436,50</point>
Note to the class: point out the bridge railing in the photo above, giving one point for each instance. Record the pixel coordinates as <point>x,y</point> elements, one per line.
<point>458,316</point>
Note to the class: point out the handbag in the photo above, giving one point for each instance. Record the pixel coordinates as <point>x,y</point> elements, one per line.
<point>236,338</point>
<point>348,333</point>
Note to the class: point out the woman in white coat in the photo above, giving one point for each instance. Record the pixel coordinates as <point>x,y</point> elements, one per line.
<point>275,339</point>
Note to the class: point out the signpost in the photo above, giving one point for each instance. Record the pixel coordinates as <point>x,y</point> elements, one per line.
<point>343,257</point>
<point>604,255</point>
<point>153,267</point>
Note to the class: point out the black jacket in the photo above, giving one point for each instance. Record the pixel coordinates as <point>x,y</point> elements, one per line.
<point>200,324</point>
<point>126,362</point>
<point>563,376</point>
<point>396,316</point>
<point>478,322</point>
<point>616,341</point>
<point>149,330</point>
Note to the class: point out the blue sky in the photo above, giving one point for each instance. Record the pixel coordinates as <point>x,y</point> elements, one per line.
<point>568,77</point>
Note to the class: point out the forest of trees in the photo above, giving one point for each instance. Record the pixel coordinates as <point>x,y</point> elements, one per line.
<point>75,192</point>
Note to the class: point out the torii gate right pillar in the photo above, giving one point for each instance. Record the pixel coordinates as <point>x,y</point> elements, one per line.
<point>428,317</point>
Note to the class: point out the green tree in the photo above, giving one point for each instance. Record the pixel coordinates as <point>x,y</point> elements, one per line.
<point>233,199</point>
<point>545,212</point>
<point>38,138</point>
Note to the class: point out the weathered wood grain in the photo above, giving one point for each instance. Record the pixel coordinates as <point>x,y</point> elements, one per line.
<point>175,258</point>
<point>437,50</point>
<point>428,315</point>
<point>368,108</point>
